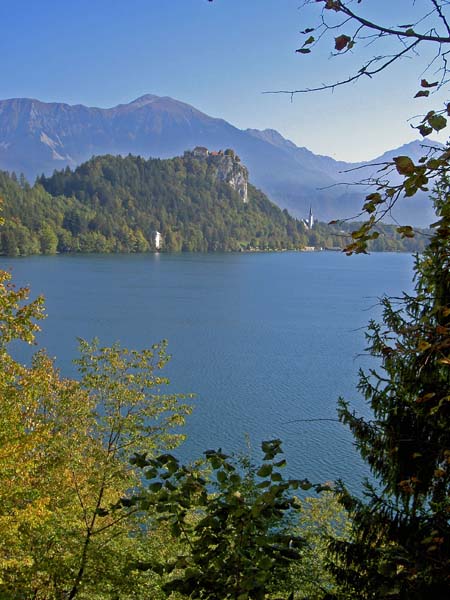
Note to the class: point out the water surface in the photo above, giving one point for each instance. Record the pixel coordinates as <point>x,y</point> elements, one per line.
<point>265,341</point>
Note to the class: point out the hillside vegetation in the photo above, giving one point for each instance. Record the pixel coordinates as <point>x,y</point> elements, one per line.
<point>116,204</point>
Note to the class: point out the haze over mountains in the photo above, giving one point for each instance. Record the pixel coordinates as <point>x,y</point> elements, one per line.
<point>38,137</point>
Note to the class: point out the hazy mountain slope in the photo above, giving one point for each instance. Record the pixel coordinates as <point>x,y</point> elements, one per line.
<point>38,137</point>
<point>342,197</point>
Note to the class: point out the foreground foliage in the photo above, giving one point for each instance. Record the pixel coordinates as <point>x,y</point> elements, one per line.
<point>239,528</point>
<point>65,449</point>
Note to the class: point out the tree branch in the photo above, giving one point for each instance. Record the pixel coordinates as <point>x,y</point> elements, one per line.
<point>421,37</point>
<point>441,15</point>
<point>363,71</point>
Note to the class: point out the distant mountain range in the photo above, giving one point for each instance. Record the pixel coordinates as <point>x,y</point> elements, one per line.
<point>38,137</point>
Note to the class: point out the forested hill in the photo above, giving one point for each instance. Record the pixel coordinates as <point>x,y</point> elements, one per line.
<point>198,202</point>
<point>115,204</point>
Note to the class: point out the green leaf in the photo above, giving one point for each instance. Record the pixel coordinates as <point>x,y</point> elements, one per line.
<point>375,198</point>
<point>140,460</point>
<point>404,165</point>
<point>263,484</point>
<point>369,207</point>
<point>425,130</point>
<point>150,473</point>
<point>434,163</point>
<point>264,470</point>
<point>235,479</point>
<point>305,484</point>
<point>422,93</point>
<point>155,487</point>
<point>303,50</point>
<point>406,231</point>
<point>437,122</point>
<point>221,476</point>
<point>271,448</point>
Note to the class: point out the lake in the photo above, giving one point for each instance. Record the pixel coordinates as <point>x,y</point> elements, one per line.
<point>266,341</point>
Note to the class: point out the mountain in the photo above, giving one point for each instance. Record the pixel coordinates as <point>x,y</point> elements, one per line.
<point>38,137</point>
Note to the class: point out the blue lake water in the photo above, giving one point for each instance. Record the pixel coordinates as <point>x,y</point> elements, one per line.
<point>263,340</point>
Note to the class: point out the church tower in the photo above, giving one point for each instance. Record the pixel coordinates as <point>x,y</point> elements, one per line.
<point>311,218</point>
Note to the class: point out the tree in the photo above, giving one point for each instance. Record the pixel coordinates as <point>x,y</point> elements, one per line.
<point>49,240</point>
<point>130,415</point>
<point>233,525</point>
<point>17,322</point>
<point>65,447</point>
<point>401,546</point>
<point>319,519</point>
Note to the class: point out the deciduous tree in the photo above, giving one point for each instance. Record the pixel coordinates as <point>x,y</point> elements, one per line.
<point>65,447</point>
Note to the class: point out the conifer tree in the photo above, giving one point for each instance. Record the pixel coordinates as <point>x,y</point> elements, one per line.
<point>401,546</point>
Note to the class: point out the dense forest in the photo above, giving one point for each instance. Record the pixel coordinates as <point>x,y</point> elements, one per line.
<point>116,204</point>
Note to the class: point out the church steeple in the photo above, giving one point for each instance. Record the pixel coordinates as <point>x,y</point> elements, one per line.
<point>309,222</point>
<point>311,218</point>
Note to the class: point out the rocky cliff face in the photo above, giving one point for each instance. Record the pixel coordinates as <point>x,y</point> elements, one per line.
<point>230,170</point>
<point>228,166</point>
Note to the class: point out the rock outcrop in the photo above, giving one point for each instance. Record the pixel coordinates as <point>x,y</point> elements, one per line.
<point>229,168</point>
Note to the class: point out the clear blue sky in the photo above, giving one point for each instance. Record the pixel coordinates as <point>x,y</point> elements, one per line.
<point>217,56</point>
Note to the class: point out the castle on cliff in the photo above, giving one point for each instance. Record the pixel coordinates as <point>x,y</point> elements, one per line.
<point>229,168</point>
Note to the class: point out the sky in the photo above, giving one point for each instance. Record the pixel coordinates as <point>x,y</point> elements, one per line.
<point>218,56</point>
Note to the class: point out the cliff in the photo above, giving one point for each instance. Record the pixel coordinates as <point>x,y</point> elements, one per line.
<point>229,168</point>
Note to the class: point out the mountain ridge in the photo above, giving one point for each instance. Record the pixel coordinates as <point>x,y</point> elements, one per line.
<point>38,137</point>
